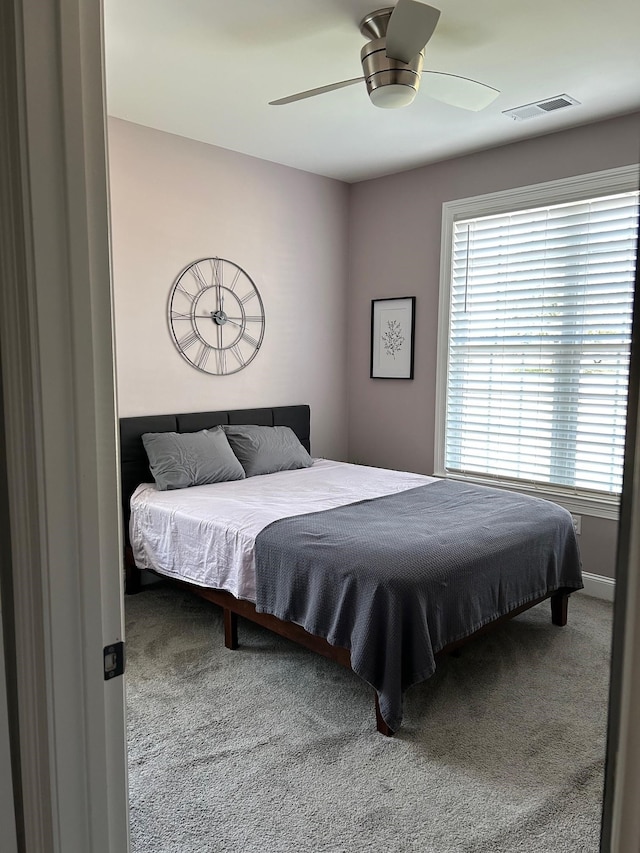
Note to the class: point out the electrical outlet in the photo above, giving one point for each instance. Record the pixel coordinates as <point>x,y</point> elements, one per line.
<point>577,523</point>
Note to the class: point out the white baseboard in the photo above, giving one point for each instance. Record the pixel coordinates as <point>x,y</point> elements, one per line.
<point>599,586</point>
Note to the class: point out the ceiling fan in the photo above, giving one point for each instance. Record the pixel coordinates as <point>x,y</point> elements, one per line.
<point>392,62</point>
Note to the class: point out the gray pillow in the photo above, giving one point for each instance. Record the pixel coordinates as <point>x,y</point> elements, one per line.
<point>178,460</point>
<point>264,449</point>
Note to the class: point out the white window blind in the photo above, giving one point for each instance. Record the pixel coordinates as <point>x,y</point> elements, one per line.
<point>539,336</point>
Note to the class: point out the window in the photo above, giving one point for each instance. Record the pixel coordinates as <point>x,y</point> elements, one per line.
<point>533,369</point>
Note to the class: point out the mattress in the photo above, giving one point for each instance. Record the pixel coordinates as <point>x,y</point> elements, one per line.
<point>206,535</point>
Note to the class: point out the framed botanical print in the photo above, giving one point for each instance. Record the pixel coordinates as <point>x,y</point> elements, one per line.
<point>392,337</point>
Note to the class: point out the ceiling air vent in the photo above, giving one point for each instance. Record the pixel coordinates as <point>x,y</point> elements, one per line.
<point>540,108</point>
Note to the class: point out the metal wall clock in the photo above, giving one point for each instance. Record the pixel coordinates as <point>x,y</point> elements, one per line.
<point>216,316</point>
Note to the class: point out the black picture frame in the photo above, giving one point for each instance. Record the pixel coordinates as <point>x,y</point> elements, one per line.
<point>393,322</point>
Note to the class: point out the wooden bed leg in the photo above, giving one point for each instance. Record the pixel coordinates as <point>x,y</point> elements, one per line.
<point>559,605</point>
<point>230,628</point>
<point>382,727</point>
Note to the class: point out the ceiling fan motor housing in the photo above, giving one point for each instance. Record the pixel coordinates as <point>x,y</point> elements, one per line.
<point>390,82</point>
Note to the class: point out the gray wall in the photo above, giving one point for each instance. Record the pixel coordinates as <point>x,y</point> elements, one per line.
<point>395,225</point>
<point>174,200</point>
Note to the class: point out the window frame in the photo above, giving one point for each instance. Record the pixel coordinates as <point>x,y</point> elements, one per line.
<point>578,188</point>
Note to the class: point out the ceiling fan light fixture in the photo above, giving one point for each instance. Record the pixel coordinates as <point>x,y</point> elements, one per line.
<point>390,83</point>
<point>392,96</point>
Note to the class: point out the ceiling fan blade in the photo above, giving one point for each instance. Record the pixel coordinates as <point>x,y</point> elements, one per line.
<point>310,93</point>
<point>411,25</point>
<point>458,91</point>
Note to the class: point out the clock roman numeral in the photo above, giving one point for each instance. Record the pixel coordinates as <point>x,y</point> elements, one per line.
<point>221,361</point>
<point>217,271</point>
<point>178,315</point>
<point>202,357</point>
<point>188,340</point>
<point>249,296</point>
<point>235,349</point>
<point>200,279</point>
<point>249,339</point>
<point>232,286</point>
<point>180,286</point>
<point>253,318</point>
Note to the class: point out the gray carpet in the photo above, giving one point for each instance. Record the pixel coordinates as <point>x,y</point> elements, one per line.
<point>271,748</point>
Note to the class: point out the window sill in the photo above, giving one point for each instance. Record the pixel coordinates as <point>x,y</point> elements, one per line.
<point>596,507</point>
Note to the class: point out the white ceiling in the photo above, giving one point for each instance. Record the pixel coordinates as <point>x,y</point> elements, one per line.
<point>206,69</point>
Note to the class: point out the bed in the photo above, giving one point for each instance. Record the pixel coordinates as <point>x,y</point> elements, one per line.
<point>380,571</point>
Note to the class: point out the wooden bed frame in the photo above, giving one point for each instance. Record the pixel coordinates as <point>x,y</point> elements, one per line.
<point>135,470</point>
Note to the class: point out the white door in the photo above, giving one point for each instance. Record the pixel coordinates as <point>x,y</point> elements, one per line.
<point>60,424</point>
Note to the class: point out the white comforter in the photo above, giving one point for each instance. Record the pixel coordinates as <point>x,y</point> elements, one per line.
<point>206,534</point>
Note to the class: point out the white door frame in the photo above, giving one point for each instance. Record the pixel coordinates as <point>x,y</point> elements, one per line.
<point>621,815</point>
<point>625,702</point>
<point>60,419</point>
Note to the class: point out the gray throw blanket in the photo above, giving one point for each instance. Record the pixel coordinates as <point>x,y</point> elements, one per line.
<point>397,578</point>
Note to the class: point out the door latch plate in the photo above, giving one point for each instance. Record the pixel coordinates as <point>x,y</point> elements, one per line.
<point>113,660</point>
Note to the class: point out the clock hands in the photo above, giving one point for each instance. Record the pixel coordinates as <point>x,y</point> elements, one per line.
<point>218,317</point>
<point>217,276</point>
<point>221,318</point>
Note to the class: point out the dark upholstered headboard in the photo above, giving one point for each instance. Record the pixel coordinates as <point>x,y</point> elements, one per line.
<point>134,465</point>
